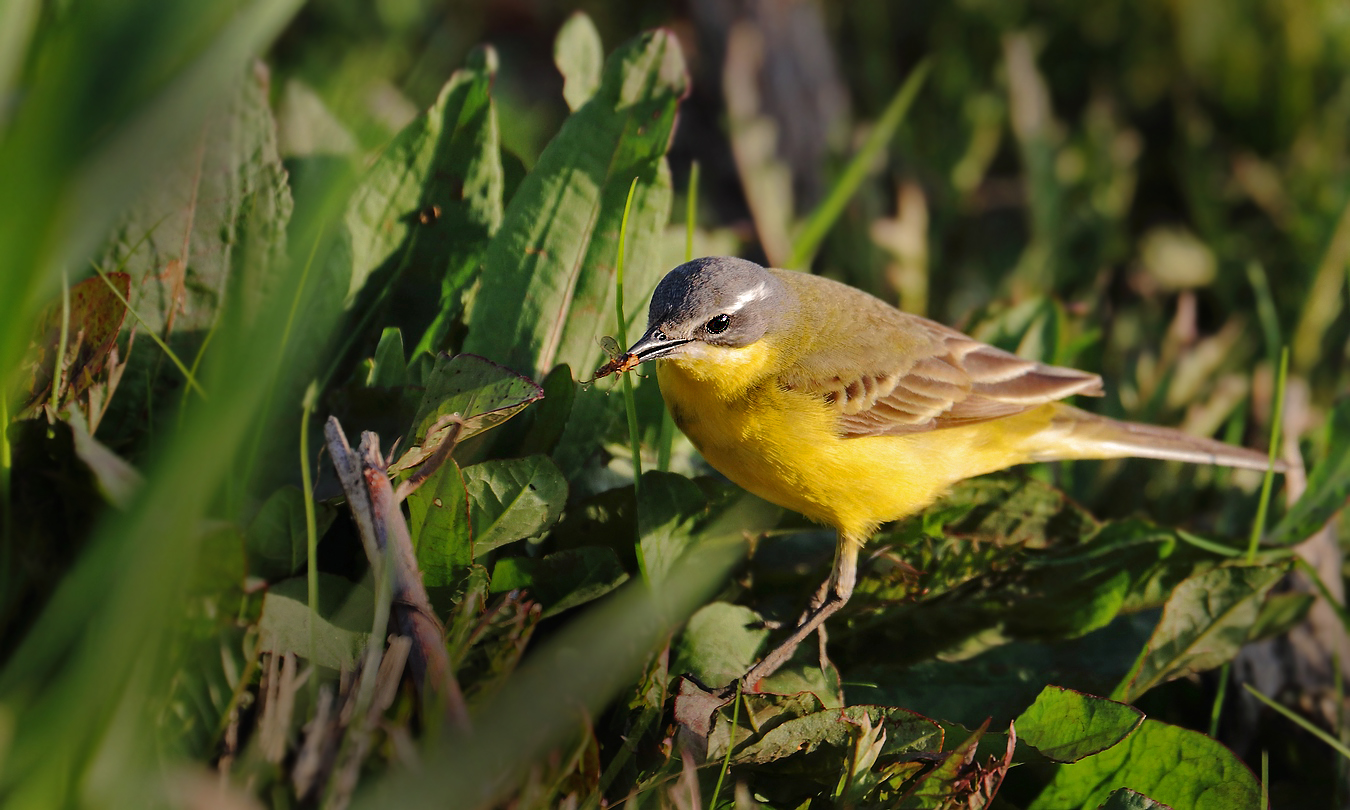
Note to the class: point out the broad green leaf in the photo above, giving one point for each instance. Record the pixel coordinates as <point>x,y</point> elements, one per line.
<point>186,243</point>
<point>906,733</point>
<point>1204,623</point>
<point>1172,765</point>
<point>561,580</point>
<point>483,393</point>
<point>276,540</point>
<point>580,57</point>
<point>459,514</point>
<point>550,418</point>
<point>389,367</point>
<point>512,499</point>
<point>1328,485</point>
<point>424,214</point>
<point>1067,726</point>
<point>720,642</point>
<point>548,280</point>
<point>340,629</point>
<point>1126,799</point>
<point>213,226</point>
<point>669,507</point>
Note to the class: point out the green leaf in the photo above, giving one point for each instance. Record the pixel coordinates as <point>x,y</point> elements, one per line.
<point>483,393</point>
<point>580,57</point>
<point>1204,623</point>
<point>561,580</point>
<point>181,241</point>
<point>512,499</point>
<point>720,643</point>
<point>340,629</point>
<point>459,514</point>
<point>1173,765</point>
<point>550,418</point>
<point>1328,485</point>
<point>388,368</point>
<point>906,733</point>
<point>548,280</point>
<point>212,226</point>
<point>427,208</point>
<point>1126,799</point>
<point>276,539</point>
<point>1066,726</point>
<point>670,506</point>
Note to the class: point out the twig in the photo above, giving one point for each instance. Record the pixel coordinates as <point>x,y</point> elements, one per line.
<point>385,537</point>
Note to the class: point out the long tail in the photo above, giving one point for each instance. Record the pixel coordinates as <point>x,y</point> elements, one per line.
<point>1077,434</point>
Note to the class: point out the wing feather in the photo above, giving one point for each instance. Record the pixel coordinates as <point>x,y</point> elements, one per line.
<point>940,380</point>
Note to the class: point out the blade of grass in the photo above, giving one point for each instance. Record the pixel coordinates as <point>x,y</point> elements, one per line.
<point>59,364</point>
<point>1341,612</point>
<point>1335,744</point>
<point>808,240</point>
<point>665,437</point>
<point>173,358</point>
<point>1259,524</point>
<point>311,527</point>
<point>1265,308</point>
<point>1218,700</point>
<point>630,408</point>
<point>1265,779</point>
<point>731,742</point>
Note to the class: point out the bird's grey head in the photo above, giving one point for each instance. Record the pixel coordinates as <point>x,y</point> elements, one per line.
<point>718,301</point>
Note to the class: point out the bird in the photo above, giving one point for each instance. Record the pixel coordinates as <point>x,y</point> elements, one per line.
<point>828,401</point>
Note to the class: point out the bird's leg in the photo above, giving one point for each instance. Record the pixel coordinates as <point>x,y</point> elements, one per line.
<point>832,596</point>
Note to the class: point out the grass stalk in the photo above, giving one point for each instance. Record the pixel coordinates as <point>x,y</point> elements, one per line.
<point>1263,505</point>
<point>311,529</point>
<point>1301,722</point>
<point>173,358</point>
<point>1219,696</point>
<point>731,742</point>
<point>59,363</point>
<point>665,437</point>
<point>621,330</point>
<point>813,232</point>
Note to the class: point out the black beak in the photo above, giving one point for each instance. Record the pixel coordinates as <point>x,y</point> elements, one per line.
<point>655,344</point>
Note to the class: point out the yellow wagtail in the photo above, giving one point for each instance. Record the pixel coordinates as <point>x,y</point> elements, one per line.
<point>823,399</point>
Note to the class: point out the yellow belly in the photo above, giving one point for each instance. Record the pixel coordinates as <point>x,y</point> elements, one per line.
<point>783,447</point>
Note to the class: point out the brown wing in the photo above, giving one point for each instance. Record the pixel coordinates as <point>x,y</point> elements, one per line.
<point>943,379</point>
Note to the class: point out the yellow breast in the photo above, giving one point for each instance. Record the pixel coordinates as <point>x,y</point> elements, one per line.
<point>783,445</point>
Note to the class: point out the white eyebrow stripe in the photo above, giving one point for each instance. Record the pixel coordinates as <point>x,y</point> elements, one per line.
<point>754,294</point>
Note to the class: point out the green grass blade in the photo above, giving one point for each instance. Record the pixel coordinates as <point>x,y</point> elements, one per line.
<point>731,744</point>
<point>173,358</point>
<point>629,406</point>
<point>808,240</point>
<point>1336,745</point>
<point>311,524</point>
<point>1259,523</point>
<point>665,437</point>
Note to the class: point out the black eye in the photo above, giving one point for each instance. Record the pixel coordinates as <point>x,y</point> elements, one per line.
<point>719,324</point>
